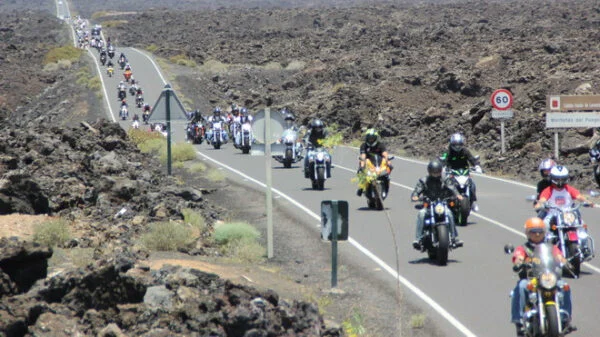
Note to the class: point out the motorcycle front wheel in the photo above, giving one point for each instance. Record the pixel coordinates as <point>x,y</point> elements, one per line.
<point>464,210</point>
<point>287,162</point>
<point>320,178</point>
<point>552,324</point>
<point>443,245</point>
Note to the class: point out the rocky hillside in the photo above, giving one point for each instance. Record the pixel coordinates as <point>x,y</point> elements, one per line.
<point>417,72</point>
<point>57,158</point>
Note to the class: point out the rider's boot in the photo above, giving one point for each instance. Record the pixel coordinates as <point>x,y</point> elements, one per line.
<point>456,242</point>
<point>359,192</point>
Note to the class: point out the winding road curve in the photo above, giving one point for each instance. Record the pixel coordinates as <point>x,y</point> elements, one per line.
<point>469,296</point>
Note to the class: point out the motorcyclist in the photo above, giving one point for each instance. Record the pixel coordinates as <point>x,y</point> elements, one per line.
<point>545,166</point>
<point>535,230</point>
<point>290,120</point>
<point>109,64</point>
<point>216,117</point>
<point>595,159</point>
<point>245,116</point>
<point>459,157</point>
<point>312,139</point>
<point>433,187</point>
<point>373,146</point>
<point>559,193</point>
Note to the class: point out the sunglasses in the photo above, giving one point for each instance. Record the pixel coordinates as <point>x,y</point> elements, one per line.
<point>537,230</point>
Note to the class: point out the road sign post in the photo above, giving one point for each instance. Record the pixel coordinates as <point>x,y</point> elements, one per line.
<point>163,112</point>
<point>269,196</point>
<point>502,101</point>
<point>334,227</point>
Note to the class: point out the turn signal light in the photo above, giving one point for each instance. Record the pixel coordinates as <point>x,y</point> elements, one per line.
<point>451,203</point>
<point>585,226</point>
<point>566,287</point>
<point>426,205</point>
<point>553,227</point>
<point>530,286</point>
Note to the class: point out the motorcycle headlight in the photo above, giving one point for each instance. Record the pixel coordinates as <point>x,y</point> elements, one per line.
<point>320,156</point>
<point>439,209</point>
<point>288,139</point>
<point>548,280</point>
<point>569,217</point>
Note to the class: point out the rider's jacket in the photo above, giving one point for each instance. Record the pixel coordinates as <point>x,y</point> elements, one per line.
<point>542,185</point>
<point>378,149</point>
<point>313,139</point>
<point>459,159</point>
<point>213,119</point>
<point>434,188</point>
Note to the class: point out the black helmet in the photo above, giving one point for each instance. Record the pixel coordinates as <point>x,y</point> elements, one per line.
<point>371,137</point>
<point>434,168</point>
<point>317,126</point>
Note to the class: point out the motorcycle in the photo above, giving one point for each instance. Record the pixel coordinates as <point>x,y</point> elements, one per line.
<point>127,75</point>
<point>139,100</point>
<point>436,229</point>
<point>132,90</point>
<point>246,138</point>
<point>122,95</point>
<point>110,71</point>
<point>122,63</point>
<point>111,53</point>
<point>103,59</point>
<point>146,116</point>
<point>375,182</point>
<point>569,233</point>
<point>595,159</point>
<point>135,124</point>
<point>293,148</point>
<point>217,135</point>
<point>319,167</point>
<point>542,316</point>
<point>462,181</point>
<point>124,113</point>
<point>195,133</point>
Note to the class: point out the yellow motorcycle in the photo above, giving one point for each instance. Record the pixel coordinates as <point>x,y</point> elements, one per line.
<point>374,180</point>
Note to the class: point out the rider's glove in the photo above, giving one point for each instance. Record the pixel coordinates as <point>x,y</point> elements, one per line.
<point>478,169</point>
<point>517,267</point>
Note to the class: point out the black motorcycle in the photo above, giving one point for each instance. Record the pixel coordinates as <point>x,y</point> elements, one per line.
<point>437,234</point>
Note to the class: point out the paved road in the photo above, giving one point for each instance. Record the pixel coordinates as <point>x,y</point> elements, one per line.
<point>469,297</point>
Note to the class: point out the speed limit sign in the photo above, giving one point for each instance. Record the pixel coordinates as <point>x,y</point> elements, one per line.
<point>502,99</point>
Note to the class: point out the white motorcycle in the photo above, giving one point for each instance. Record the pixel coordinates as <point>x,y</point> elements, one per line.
<point>245,138</point>
<point>293,149</point>
<point>217,135</point>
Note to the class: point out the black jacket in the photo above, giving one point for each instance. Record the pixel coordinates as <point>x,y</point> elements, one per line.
<point>459,160</point>
<point>434,188</point>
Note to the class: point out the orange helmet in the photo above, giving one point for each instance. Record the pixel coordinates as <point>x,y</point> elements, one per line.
<point>534,223</point>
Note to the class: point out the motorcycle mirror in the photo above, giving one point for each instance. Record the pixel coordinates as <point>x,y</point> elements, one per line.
<point>531,198</point>
<point>477,157</point>
<point>419,206</point>
<point>391,157</point>
<point>508,248</point>
<point>594,193</point>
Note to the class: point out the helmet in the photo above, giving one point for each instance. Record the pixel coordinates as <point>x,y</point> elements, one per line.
<point>559,176</point>
<point>545,166</point>
<point>534,225</point>
<point>289,117</point>
<point>244,112</point>
<point>317,126</point>
<point>434,168</point>
<point>371,137</point>
<point>217,111</point>
<point>457,141</point>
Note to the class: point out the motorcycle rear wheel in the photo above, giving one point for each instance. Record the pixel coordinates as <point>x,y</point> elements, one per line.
<point>464,210</point>
<point>217,145</point>
<point>552,317</point>
<point>574,250</point>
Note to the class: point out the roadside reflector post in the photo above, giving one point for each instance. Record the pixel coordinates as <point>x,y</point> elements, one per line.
<point>334,227</point>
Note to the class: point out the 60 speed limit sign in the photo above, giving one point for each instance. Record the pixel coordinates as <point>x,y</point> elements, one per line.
<point>502,99</point>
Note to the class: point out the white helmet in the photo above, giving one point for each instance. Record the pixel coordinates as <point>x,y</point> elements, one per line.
<point>457,141</point>
<point>559,176</point>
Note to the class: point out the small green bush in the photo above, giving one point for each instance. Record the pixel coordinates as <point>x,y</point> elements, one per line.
<point>215,175</point>
<point>197,168</point>
<point>63,53</point>
<point>182,60</point>
<point>180,152</point>
<point>139,136</point>
<point>235,231</point>
<point>153,145</point>
<point>52,233</point>
<point>194,219</point>
<point>64,64</point>
<point>94,83</point>
<point>152,48</point>
<point>167,236</point>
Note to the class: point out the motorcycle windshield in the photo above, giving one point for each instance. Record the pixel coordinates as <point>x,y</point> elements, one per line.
<point>543,261</point>
<point>217,125</point>
<point>289,136</point>
<point>461,172</point>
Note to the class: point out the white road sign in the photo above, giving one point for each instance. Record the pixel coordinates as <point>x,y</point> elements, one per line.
<point>502,113</point>
<point>572,120</point>
<point>502,99</point>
